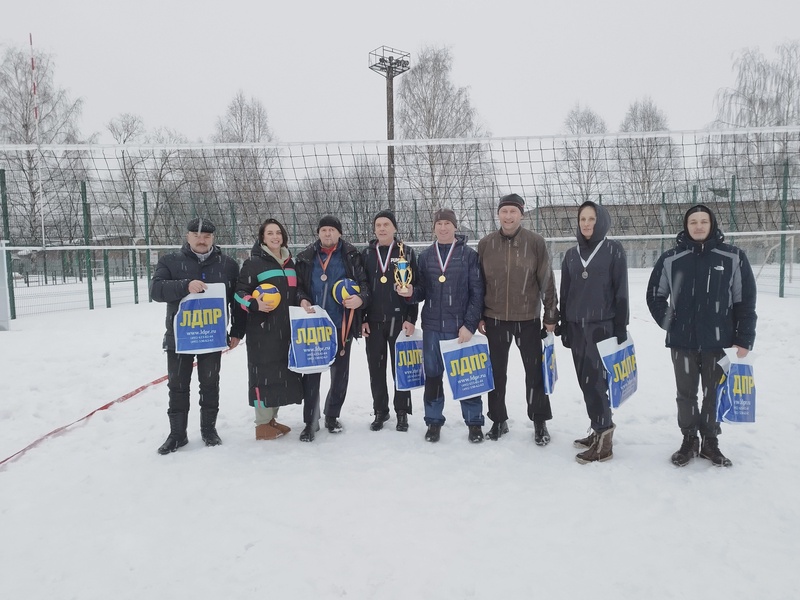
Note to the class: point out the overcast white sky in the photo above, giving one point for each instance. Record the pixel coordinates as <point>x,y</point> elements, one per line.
<point>178,63</point>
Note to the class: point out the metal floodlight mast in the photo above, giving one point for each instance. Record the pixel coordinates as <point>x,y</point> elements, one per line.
<point>389,62</point>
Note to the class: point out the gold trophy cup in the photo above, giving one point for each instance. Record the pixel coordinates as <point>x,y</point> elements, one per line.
<point>402,270</point>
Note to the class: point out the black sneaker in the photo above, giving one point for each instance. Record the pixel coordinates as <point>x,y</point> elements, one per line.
<point>688,450</point>
<point>333,425</point>
<point>432,435</point>
<point>710,451</point>
<point>497,431</point>
<point>380,419</point>
<point>402,422</point>
<point>307,435</point>
<point>475,434</point>
<point>540,434</point>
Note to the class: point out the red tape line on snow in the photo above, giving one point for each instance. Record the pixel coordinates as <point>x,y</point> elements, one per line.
<point>127,396</point>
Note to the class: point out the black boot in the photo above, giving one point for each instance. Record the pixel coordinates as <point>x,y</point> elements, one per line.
<point>497,430</point>
<point>177,433</point>
<point>402,422</point>
<point>380,419</point>
<point>309,431</point>
<point>432,435</point>
<point>333,425</point>
<point>475,434</point>
<point>540,434</point>
<point>688,450</point>
<point>710,451</point>
<point>208,427</point>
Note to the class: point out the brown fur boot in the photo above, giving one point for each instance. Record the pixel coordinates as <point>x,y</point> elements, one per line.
<point>284,429</point>
<point>600,450</point>
<point>267,432</point>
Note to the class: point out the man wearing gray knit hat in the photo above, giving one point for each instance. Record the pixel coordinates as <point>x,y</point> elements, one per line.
<point>519,283</point>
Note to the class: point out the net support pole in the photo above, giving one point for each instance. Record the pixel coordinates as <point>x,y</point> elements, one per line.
<point>87,236</point>
<point>734,227</point>
<point>5,285</point>
<point>784,200</point>
<point>148,256</point>
<point>9,278</point>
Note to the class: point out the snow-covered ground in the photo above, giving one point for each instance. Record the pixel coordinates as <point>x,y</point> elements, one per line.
<point>94,512</point>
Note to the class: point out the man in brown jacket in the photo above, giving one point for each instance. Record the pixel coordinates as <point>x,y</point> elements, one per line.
<point>519,281</point>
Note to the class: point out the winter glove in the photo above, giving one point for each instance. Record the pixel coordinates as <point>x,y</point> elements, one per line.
<point>564,337</point>
<point>621,335</point>
<point>543,333</point>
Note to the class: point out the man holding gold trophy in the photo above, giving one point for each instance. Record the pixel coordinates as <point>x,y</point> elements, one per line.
<point>388,262</point>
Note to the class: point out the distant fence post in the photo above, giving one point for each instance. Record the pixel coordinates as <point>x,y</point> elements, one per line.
<point>147,243</point>
<point>5,285</point>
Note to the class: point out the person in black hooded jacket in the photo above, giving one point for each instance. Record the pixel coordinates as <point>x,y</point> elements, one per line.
<point>594,307</point>
<point>703,293</point>
<point>271,383</point>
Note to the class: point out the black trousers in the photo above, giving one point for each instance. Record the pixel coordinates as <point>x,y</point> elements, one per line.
<point>589,369</point>
<point>527,336</point>
<point>340,377</point>
<point>693,367</point>
<point>381,336</point>
<point>179,373</point>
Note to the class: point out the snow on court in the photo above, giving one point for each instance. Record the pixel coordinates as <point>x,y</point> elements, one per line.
<point>94,512</point>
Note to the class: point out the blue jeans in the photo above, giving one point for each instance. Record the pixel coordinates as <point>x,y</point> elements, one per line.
<point>471,408</point>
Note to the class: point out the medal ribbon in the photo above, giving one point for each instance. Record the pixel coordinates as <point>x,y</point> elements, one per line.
<point>327,260</point>
<point>443,266</point>
<point>591,256</point>
<point>384,265</point>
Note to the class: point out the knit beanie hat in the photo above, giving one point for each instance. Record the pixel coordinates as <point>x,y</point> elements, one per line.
<point>386,214</point>
<point>201,225</point>
<point>330,221</point>
<point>445,214</point>
<point>512,200</point>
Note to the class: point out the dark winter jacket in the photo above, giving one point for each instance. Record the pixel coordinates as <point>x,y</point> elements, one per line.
<point>268,334</point>
<point>346,262</point>
<point>171,279</point>
<point>603,294</point>
<point>385,304</point>
<point>703,294</point>
<point>518,276</point>
<point>459,299</point>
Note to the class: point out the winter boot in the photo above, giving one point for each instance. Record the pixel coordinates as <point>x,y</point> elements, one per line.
<point>307,435</point>
<point>710,451</point>
<point>380,419</point>
<point>585,442</point>
<point>540,434</point>
<point>497,430</point>
<point>177,433</point>
<point>333,425</point>
<point>284,429</point>
<point>475,434</point>
<point>688,450</point>
<point>402,422</point>
<point>266,431</point>
<point>208,427</point>
<point>600,450</point>
<point>432,435</point>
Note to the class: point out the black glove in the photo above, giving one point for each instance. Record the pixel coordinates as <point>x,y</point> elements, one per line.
<point>557,331</point>
<point>564,338</point>
<point>544,332</point>
<point>621,335</point>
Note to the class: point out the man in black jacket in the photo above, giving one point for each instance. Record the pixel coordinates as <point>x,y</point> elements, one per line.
<point>703,293</point>
<point>386,316</point>
<point>319,266</point>
<point>198,263</point>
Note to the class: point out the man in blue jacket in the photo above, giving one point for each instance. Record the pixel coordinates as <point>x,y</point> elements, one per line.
<point>703,293</point>
<point>449,281</point>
